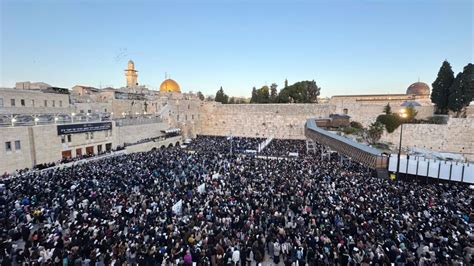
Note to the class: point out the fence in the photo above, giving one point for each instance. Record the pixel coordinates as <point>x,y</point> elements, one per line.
<point>438,169</point>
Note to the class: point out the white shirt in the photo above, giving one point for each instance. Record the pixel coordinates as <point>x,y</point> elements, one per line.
<point>236,256</point>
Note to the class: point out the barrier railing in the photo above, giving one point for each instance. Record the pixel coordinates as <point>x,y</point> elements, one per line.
<point>430,168</point>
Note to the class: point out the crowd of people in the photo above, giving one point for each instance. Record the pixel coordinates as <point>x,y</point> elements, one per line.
<point>211,207</point>
<point>283,147</point>
<point>224,144</point>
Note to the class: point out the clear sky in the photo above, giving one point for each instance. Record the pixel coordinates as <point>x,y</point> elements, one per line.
<point>348,47</point>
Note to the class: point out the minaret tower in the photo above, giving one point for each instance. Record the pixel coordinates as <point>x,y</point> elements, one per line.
<point>131,74</point>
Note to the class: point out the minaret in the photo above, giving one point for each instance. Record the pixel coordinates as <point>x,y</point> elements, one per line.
<point>131,74</point>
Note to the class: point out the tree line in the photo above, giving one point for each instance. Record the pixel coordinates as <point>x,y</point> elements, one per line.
<point>300,92</point>
<point>451,93</point>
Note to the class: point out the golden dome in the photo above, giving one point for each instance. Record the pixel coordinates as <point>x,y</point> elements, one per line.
<point>169,85</point>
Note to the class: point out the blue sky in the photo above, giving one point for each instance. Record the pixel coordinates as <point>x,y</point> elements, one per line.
<point>348,47</point>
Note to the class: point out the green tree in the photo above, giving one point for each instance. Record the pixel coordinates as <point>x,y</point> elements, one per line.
<point>286,83</point>
<point>254,95</point>
<point>458,98</point>
<point>232,100</point>
<point>221,96</point>
<point>411,113</point>
<point>312,92</point>
<point>387,109</point>
<point>468,82</point>
<point>390,121</point>
<point>263,95</point>
<point>440,91</point>
<point>373,134</point>
<point>200,95</point>
<point>273,93</point>
<point>300,92</point>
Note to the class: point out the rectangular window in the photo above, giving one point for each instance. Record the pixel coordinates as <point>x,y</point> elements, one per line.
<point>54,103</point>
<point>60,103</point>
<point>63,139</point>
<point>177,117</point>
<point>33,103</point>
<point>92,135</point>
<point>45,103</point>
<point>17,145</point>
<point>12,102</point>
<point>87,136</point>
<point>99,148</point>
<point>69,138</point>
<point>22,102</point>
<point>186,118</point>
<point>8,146</point>
<point>89,111</point>
<point>192,117</point>
<point>105,110</point>
<point>82,111</point>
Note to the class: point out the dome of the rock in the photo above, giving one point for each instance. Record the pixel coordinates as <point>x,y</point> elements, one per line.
<point>169,85</point>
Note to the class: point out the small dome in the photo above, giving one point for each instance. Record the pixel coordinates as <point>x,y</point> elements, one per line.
<point>419,89</point>
<point>169,85</point>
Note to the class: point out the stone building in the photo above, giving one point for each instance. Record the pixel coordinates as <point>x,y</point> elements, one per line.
<point>41,124</point>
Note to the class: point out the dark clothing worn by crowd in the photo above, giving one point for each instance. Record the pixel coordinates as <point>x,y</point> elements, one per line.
<point>212,207</point>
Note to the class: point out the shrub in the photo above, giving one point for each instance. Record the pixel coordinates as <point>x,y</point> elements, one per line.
<point>349,130</point>
<point>356,124</point>
<point>436,119</point>
<point>391,122</point>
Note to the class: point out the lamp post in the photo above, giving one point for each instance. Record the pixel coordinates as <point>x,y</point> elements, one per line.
<point>403,114</point>
<point>72,117</point>
<point>36,121</point>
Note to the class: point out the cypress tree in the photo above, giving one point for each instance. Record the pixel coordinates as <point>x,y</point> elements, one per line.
<point>254,95</point>
<point>456,100</point>
<point>440,92</point>
<point>468,82</point>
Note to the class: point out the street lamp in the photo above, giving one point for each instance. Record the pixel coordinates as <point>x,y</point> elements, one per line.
<point>403,114</point>
<point>36,121</point>
<point>72,117</point>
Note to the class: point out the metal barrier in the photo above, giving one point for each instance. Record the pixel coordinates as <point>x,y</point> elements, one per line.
<point>370,157</point>
<point>430,168</point>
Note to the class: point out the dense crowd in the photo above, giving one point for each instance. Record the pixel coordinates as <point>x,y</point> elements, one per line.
<point>283,147</point>
<point>210,207</point>
<point>224,144</point>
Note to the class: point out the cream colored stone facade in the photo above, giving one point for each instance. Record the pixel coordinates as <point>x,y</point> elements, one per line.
<point>13,101</point>
<point>40,144</point>
<point>259,120</point>
<point>456,137</point>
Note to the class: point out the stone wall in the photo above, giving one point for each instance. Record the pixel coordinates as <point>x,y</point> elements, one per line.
<point>134,133</point>
<point>32,102</point>
<point>259,120</point>
<point>15,158</point>
<point>366,114</point>
<point>455,137</point>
